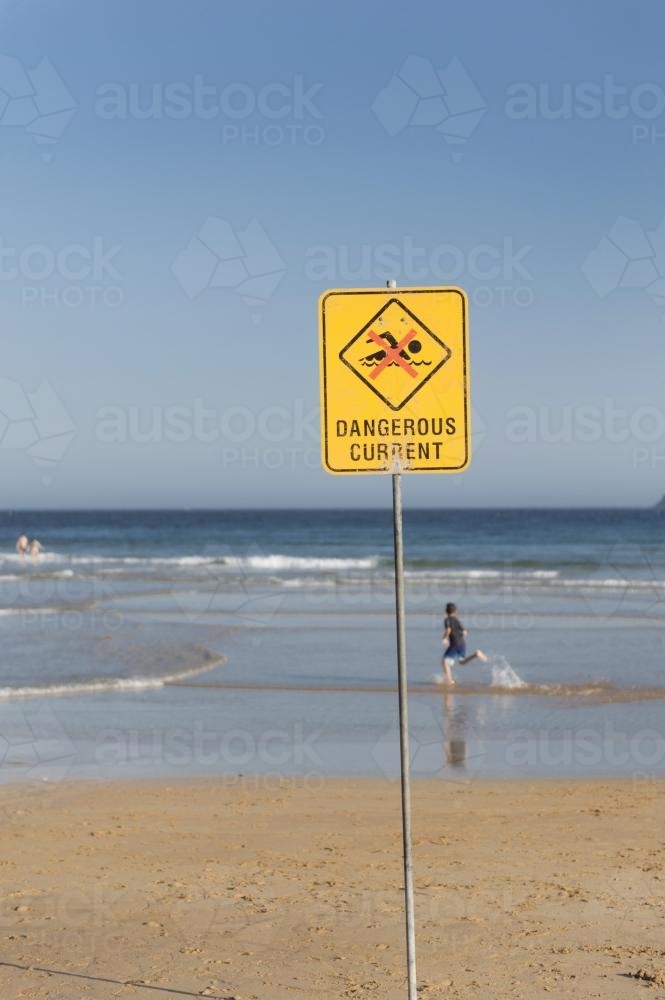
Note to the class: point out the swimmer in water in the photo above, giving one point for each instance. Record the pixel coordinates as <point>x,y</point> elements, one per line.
<point>35,548</point>
<point>22,544</point>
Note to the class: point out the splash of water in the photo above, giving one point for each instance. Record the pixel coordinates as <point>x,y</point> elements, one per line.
<point>504,676</point>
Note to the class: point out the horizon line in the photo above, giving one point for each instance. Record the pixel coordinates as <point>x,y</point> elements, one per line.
<point>245,509</point>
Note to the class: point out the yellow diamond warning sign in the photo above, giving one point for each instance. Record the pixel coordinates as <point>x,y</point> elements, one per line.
<point>395,354</point>
<point>394,380</point>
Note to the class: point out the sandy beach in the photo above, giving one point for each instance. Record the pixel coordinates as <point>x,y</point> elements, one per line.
<point>238,890</point>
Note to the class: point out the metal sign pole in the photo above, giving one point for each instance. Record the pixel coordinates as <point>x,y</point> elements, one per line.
<point>405,762</point>
<point>404,735</point>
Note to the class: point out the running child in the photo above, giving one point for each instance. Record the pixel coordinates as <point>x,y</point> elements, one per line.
<point>454,636</point>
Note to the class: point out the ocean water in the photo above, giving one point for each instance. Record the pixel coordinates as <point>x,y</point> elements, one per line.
<point>263,643</point>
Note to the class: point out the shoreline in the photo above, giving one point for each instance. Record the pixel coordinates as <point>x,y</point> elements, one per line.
<point>602,692</point>
<point>599,692</point>
<point>229,891</point>
<point>313,782</point>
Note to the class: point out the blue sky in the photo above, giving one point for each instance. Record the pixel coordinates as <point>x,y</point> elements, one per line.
<point>130,344</point>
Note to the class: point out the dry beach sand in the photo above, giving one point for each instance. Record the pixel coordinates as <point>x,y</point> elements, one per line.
<point>231,890</point>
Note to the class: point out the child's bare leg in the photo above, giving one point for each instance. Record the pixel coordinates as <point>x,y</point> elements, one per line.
<point>478,655</point>
<point>448,672</point>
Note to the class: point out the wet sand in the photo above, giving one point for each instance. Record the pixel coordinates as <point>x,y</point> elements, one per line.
<point>601,692</point>
<point>243,890</point>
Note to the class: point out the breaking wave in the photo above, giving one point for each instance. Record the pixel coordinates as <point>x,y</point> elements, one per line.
<point>108,683</point>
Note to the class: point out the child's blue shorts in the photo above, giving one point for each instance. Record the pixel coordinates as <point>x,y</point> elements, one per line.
<point>455,653</point>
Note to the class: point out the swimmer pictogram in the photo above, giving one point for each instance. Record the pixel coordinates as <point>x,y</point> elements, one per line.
<point>395,354</point>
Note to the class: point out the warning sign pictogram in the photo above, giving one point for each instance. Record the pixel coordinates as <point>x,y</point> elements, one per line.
<point>395,354</point>
<point>394,380</point>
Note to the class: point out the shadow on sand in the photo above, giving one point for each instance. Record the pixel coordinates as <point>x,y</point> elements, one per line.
<point>113,982</point>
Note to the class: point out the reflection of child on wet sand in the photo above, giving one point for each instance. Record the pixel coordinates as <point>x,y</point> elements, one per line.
<point>454,638</point>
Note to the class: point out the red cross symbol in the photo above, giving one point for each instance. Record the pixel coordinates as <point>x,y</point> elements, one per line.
<point>393,354</point>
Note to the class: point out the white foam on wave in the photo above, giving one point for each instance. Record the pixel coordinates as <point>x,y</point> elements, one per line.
<point>144,560</point>
<point>269,561</point>
<point>285,563</point>
<point>452,574</point>
<point>612,583</point>
<point>55,564</point>
<point>481,574</point>
<point>14,557</point>
<point>159,560</point>
<point>419,577</point>
<point>48,610</point>
<point>111,684</point>
<point>95,560</point>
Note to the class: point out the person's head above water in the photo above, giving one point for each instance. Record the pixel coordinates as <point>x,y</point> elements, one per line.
<point>451,608</point>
